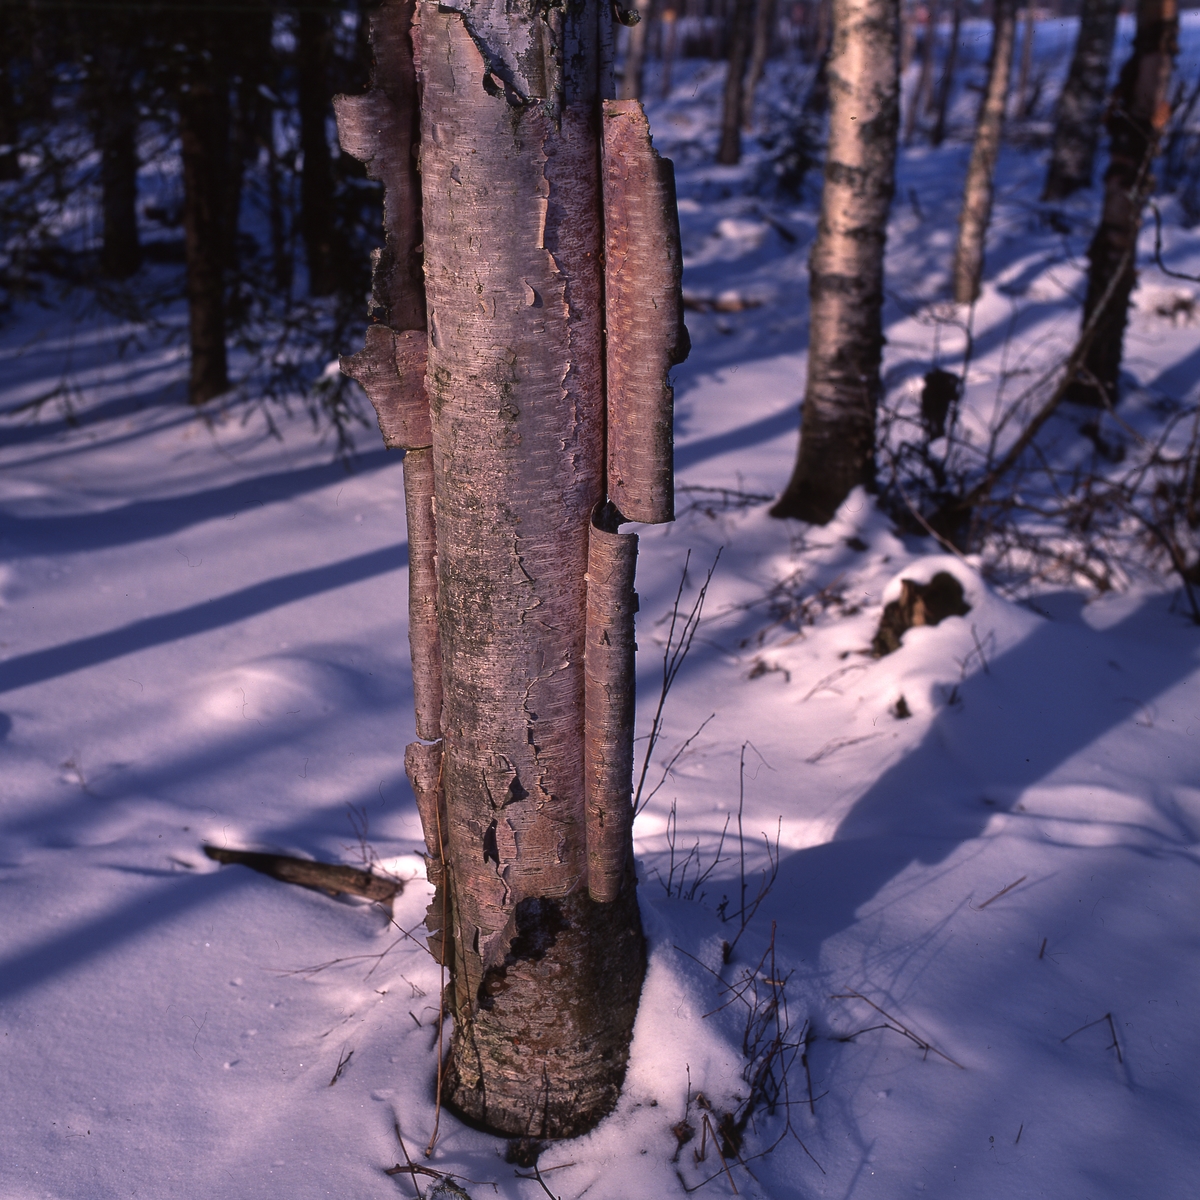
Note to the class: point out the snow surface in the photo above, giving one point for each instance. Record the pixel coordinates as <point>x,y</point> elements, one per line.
<point>202,638</point>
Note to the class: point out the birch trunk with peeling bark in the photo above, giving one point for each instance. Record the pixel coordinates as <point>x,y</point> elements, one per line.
<point>1081,103</point>
<point>553,311</point>
<point>1137,115</point>
<point>845,341</point>
<point>976,211</point>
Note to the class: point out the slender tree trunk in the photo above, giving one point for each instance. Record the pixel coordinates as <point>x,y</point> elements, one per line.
<point>730,150</point>
<point>116,118</point>
<point>837,431</point>
<point>633,75</point>
<point>1137,115</point>
<point>920,96</point>
<point>668,34</point>
<point>316,181</point>
<point>946,85</point>
<point>1081,104</point>
<point>977,192</point>
<point>764,34</point>
<point>522,663</point>
<point>10,167</point>
<point>204,144</point>
<point>1021,105</point>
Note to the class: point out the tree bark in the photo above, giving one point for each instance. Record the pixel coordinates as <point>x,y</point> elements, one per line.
<point>976,210</point>
<point>1137,115</point>
<point>946,87</point>
<point>316,180</point>
<point>1081,104</point>
<point>524,682</point>
<point>10,166</point>
<point>837,433</point>
<point>1021,106</point>
<point>730,150</point>
<point>204,145</point>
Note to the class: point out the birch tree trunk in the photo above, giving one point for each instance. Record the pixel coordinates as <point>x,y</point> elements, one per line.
<point>730,150</point>
<point>521,585</point>
<point>977,192</point>
<point>837,429</point>
<point>1081,103</point>
<point>1137,115</point>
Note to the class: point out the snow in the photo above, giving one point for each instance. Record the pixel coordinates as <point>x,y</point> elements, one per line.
<point>202,638</point>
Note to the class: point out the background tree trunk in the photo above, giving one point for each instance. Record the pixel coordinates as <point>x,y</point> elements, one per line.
<point>920,96</point>
<point>116,117</point>
<point>633,75</point>
<point>977,192</point>
<point>10,167</point>
<point>730,150</point>
<point>1077,121</point>
<point>946,86</point>
<point>837,432</point>
<point>764,34</point>
<point>204,146</point>
<point>1021,104</point>
<point>316,181</point>
<point>1137,115</point>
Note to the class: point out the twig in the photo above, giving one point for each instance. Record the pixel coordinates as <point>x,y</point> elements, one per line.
<point>1004,892</point>
<point>331,878</point>
<point>412,1168</point>
<point>899,1026</point>
<point>1162,266</point>
<point>1114,1045</point>
<point>343,1063</point>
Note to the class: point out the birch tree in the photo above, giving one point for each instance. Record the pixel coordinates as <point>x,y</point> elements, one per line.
<point>1137,115</point>
<point>525,374</point>
<point>845,340</point>
<point>976,211</point>
<point>1077,119</point>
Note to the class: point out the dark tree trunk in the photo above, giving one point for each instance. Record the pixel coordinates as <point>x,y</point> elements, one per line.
<point>10,167</point>
<point>116,117</point>
<point>522,602</point>
<point>204,144</point>
<point>730,150</point>
<point>1137,115</point>
<point>316,182</point>
<point>1081,104</point>
<point>946,85</point>
<point>1021,105</point>
<point>837,429</point>
<point>976,211</point>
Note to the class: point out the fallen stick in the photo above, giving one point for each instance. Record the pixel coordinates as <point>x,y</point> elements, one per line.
<point>331,878</point>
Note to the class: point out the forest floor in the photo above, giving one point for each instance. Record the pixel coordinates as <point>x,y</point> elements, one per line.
<point>977,961</point>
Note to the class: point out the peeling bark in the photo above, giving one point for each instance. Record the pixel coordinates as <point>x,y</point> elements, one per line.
<point>976,210</point>
<point>546,981</point>
<point>1081,103</point>
<point>643,312</point>
<point>609,707</point>
<point>837,433</point>
<point>1137,115</point>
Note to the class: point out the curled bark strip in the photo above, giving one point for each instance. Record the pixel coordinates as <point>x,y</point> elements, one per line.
<point>390,368</point>
<point>423,766</point>
<point>331,878</point>
<point>609,707</point>
<point>424,639</point>
<point>644,314</point>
